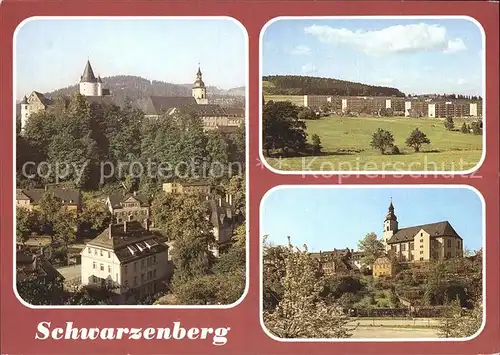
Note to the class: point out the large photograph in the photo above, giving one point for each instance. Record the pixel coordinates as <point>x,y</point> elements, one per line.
<point>130,161</point>
<point>373,94</point>
<point>372,262</point>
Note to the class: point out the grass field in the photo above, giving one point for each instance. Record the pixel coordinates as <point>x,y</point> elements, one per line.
<point>346,146</point>
<point>294,99</point>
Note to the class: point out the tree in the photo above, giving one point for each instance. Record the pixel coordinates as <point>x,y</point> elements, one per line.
<point>464,128</point>
<point>449,124</point>
<point>477,128</point>
<point>316,144</point>
<point>416,139</point>
<point>457,322</point>
<point>237,189</point>
<point>95,214</point>
<point>90,296</point>
<point>382,140</point>
<point>37,290</point>
<point>218,156</point>
<point>301,313</point>
<point>307,114</point>
<point>26,223</point>
<point>371,247</point>
<point>282,129</point>
<point>49,205</point>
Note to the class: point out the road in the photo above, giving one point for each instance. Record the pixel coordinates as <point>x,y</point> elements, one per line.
<point>395,328</point>
<point>397,333</point>
<point>380,322</point>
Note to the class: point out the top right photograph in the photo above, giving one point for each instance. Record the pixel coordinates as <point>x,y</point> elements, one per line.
<point>373,94</point>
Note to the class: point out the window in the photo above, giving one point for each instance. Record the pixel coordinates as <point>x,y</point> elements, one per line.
<point>421,246</point>
<point>449,243</point>
<point>109,269</point>
<point>109,254</point>
<point>125,269</point>
<point>154,259</point>
<point>154,273</point>
<point>135,266</point>
<point>421,252</point>
<point>143,263</point>
<point>142,278</point>
<point>135,280</point>
<point>95,251</point>
<point>421,259</point>
<point>100,252</point>
<point>448,254</point>
<point>94,265</point>
<point>403,247</point>
<point>90,250</point>
<point>421,240</point>
<point>412,245</point>
<point>102,267</point>
<point>421,234</point>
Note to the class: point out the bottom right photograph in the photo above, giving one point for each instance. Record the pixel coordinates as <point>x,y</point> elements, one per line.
<point>372,262</point>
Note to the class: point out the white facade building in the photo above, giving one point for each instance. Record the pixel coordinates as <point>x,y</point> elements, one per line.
<point>128,260</point>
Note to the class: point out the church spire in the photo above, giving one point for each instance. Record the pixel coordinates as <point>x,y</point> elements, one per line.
<point>390,215</point>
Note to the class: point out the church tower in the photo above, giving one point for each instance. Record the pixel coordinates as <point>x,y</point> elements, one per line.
<point>199,89</point>
<point>390,226</point>
<point>89,84</point>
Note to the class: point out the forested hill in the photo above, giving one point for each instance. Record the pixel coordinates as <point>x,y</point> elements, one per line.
<point>310,85</point>
<point>137,88</point>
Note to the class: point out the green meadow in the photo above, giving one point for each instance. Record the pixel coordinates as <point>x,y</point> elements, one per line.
<point>346,146</point>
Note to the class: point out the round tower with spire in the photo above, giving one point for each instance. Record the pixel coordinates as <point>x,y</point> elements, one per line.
<point>199,90</point>
<point>89,84</point>
<point>390,226</point>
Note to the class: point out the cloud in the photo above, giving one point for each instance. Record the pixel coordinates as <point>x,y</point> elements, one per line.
<point>301,50</point>
<point>393,39</point>
<point>308,68</point>
<point>455,45</point>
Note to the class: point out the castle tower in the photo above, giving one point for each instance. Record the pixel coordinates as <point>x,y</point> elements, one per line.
<point>390,226</point>
<point>89,85</point>
<point>199,89</point>
<point>99,86</point>
<point>25,112</point>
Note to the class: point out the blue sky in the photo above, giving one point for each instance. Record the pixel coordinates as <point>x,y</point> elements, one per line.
<point>51,54</point>
<point>414,55</point>
<point>327,218</point>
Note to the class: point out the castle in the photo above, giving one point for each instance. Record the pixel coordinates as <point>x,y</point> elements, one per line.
<point>90,86</point>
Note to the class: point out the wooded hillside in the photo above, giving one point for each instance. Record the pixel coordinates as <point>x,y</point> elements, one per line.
<point>309,85</point>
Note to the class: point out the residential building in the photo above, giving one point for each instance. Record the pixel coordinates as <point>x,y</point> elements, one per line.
<point>384,267</point>
<point>197,187</point>
<point>30,198</point>
<point>128,206</point>
<point>224,220</point>
<point>334,261</point>
<point>28,263</point>
<point>128,259</point>
<point>433,241</point>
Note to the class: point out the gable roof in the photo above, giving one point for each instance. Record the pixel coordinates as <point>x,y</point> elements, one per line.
<point>67,196</point>
<point>157,105</point>
<point>438,229</point>
<point>208,110</point>
<point>37,263</point>
<point>134,243</point>
<point>116,198</point>
<point>44,100</point>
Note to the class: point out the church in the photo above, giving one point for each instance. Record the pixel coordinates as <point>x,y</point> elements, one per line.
<point>433,241</point>
<point>91,86</point>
